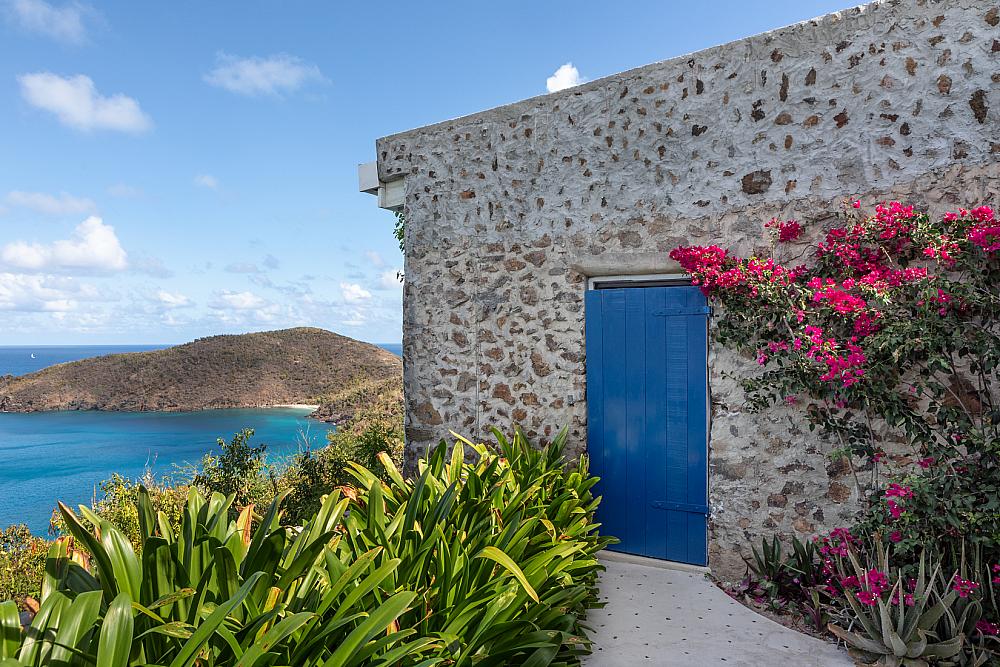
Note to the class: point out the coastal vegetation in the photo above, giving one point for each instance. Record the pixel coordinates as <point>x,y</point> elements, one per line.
<point>290,366</point>
<point>490,562</point>
<point>239,467</point>
<point>888,341</point>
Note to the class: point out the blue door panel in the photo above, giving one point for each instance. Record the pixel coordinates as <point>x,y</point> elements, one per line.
<point>616,410</point>
<point>635,417</point>
<point>655,439</point>
<point>647,418</point>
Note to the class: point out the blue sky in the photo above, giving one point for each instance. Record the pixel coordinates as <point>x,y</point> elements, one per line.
<point>176,170</point>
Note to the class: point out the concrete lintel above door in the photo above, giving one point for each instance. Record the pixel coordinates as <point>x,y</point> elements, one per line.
<point>625,264</point>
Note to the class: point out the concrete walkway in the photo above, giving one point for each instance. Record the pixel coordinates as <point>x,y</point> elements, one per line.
<point>657,615</point>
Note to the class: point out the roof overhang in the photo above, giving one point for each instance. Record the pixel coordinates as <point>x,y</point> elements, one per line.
<point>391,194</point>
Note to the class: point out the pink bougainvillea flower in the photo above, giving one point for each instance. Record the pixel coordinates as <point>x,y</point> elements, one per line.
<point>907,599</point>
<point>927,462</point>
<point>982,214</point>
<point>964,587</point>
<point>841,301</point>
<point>857,203</point>
<point>866,598</point>
<point>987,628</point>
<point>788,230</point>
<point>835,544</point>
<point>877,580</point>
<point>895,536</point>
<point>985,236</point>
<point>898,491</point>
<point>895,510</point>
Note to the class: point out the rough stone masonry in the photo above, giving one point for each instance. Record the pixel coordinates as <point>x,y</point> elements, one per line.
<point>509,211</point>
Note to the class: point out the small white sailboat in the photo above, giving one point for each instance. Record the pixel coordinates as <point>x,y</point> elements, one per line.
<point>32,355</point>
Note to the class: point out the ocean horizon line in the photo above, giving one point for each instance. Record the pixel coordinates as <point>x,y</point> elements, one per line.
<point>160,345</point>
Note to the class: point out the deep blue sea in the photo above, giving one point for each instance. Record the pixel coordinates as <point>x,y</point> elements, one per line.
<point>50,456</point>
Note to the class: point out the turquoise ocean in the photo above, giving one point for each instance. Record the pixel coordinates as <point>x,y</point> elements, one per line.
<point>50,456</point>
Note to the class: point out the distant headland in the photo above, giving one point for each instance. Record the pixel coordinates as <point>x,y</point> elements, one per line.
<point>301,366</point>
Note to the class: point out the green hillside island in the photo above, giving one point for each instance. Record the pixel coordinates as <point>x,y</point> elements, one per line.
<point>287,367</point>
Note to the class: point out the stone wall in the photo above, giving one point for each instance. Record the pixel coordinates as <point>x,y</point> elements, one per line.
<point>510,210</point>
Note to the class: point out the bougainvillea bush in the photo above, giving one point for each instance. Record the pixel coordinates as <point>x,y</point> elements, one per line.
<point>886,336</point>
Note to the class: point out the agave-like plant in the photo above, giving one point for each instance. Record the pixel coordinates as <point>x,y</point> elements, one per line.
<point>215,593</point>
<point>892,633</point>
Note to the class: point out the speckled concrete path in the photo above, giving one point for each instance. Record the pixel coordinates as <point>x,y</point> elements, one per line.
<point>662,616</point>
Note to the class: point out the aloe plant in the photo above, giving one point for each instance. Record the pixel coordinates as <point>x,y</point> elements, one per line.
<point>891,633</point>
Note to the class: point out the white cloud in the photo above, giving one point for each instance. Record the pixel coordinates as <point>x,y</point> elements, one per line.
<point>151,266</point>
<point>172,299</point>
<point>93,247</point>
<point>65,24</point>
<point>206,181</point>
<point>237,301</point>
<point>269,263</point>
<point>48,204</point>
<point>354,293</point>
<point>354,318</point>
<point>242,267</point>
<point>375,259</point>
<point>123,191</point>
<point>42,293</point>
<point>76,103</point>
<point>390,279</point>
<point>243,309</point>
<point>273,75</point>
<point>565,77</point>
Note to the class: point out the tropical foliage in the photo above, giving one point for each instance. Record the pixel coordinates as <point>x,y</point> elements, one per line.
<point>373,428</point>
<point>888,338</point>
<point>22,563</point>
<point>240,470</point>
<point>374,425</point>
<point>488,563</point>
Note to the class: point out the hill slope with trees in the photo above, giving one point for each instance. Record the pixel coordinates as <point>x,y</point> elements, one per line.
<point>290,366</point>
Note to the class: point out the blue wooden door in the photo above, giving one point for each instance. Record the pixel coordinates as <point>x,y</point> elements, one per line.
<point>647,402</point>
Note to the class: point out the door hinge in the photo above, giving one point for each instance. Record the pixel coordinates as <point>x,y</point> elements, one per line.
<point>679,507</point>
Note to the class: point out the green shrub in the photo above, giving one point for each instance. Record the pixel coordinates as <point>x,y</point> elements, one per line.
<point>22,564</point>
<point>375,428</point>
<point>486,563</point>
<point>240,470</point>
<point>118,504</point>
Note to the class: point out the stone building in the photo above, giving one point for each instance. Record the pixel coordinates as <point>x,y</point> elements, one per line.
<point>513,213</point>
